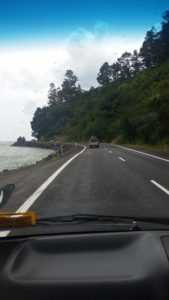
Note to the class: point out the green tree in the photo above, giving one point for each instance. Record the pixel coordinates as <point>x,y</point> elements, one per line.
<point>116,69</point>
<point>105,74</point>
<point>21,141</point>
<point>53,94</point>
<point>136,63</point>
<point>148,51</point>
<point>164,38</point>
<point>41,123</point>
<point>69,89</point>
<point>124,62</point>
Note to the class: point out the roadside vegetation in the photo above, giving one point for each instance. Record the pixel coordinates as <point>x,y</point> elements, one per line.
<point>157,148</point>
<point>130,105</point>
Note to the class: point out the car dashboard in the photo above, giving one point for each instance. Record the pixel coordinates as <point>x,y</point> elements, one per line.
<point>112,265</point>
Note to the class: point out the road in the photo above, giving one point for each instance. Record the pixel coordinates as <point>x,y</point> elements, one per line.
<point>110,180</point>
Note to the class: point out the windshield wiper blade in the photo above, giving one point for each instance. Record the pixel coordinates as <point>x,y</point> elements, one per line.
<point>134,223</point>
<point>153,220</point>
<point>85,218</point>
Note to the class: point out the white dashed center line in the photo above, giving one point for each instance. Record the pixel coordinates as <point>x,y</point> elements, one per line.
<point>121,158</point>
<point>110,151</point>
<point>160,187</point>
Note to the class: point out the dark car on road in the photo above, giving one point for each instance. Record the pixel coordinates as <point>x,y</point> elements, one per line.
<point>94,142</point>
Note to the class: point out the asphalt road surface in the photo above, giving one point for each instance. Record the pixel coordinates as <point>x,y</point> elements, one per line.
<point>110,180</point>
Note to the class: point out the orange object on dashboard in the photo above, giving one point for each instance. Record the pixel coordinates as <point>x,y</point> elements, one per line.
<point>12,219</point>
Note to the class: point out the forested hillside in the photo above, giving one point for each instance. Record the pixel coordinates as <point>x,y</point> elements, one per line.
<point>131,105</point>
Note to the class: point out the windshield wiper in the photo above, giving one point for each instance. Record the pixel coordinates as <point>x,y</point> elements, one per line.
<point>153,220</point>
<point>90,219</point>
<point>132,222</point>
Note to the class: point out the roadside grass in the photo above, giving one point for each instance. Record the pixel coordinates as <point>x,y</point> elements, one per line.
<point>159,148</point>
<point>55,156</point>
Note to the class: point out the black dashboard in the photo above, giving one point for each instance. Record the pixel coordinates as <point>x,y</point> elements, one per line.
<point>113,265</point>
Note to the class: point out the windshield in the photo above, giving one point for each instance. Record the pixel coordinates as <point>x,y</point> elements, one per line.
<point>84,110</point>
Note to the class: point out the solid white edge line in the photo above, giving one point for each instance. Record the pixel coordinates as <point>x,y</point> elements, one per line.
<point>121,158</point>
<point>160,186</point>
<point>29,202</point>
<point>154,156</point>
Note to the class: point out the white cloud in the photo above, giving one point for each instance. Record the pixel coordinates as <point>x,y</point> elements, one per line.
<point>25,74</point>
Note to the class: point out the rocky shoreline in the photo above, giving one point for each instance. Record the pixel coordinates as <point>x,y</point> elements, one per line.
<point>57,147</point>
<point>36,144</point>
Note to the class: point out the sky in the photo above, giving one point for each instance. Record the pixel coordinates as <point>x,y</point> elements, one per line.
<point>40,40</point>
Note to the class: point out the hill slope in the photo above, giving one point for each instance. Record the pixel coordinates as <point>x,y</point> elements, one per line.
<point>135,111</point>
